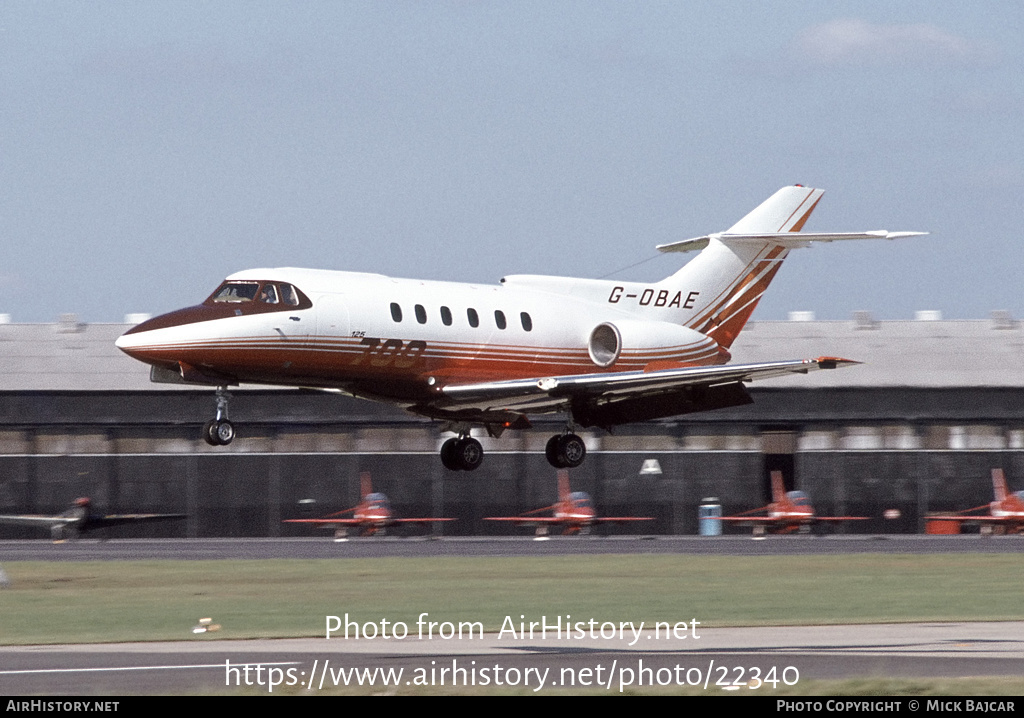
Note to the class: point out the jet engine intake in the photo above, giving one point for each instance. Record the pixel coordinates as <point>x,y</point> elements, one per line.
<point>646,341</point>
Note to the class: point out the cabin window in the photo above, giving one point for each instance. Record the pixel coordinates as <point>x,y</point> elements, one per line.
<point>499,319</point>
<point>446,316</point>
<point>396,312</point>
<point>421,314</point>
<point>527,322</point>
<point>474,320</point>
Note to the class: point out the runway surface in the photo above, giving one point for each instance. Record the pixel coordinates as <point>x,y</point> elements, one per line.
<point>326,548</point>
<point>714,658</point>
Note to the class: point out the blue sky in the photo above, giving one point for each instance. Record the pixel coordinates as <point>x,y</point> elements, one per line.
<point>149,149</point>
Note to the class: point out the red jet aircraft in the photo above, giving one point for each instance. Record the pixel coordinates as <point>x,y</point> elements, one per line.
<point>1006,513</point>
<point>789,511</point>
<point>371,516</point>
<point>574,512</point>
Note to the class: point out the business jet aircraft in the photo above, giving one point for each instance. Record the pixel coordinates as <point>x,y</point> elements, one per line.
<point>1005,513</point>
<point>80,519</point>
<point>788,512</point>
<point>372,515</point>
<point>574,512</point>
<point>600,352</point>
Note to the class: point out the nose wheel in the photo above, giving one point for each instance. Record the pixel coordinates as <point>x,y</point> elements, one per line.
<point>565,451</point>
<point>462,454</point>
<point>220,431</point>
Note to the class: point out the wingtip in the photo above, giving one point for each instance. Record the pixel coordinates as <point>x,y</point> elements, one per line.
<point>835,362</point>
<point>901,235</point>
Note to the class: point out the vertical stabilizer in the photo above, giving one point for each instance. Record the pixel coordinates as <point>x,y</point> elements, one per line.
<point>563,485</point>
<point>999,487</point>
<point>778,488</point>
<point>726,280</point>
<point>365,486</point>
<point>785,211</point>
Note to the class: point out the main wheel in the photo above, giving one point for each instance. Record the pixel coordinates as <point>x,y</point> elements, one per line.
<point>571,451</point>
<point>469,454</point>
<point>448,457</point>
<point>551,452</point>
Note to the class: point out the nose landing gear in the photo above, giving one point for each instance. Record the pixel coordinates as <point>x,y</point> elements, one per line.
<point>220,431</point>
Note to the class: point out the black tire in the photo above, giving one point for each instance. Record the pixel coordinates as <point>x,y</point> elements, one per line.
<point>448,457</point>
<point>469,454</point>
<point>571,451</point>
<point>210,433</point>
<point>225,432</point>
<point>551,452</point>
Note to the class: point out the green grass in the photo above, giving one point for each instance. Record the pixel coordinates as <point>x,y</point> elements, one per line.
<point>50,602</point>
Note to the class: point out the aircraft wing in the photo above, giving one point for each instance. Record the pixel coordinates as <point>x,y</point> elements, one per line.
<point>621,519</point>
<point>975,519</point>
<point>418,521</point>
<point>754,519</point>
<point>36,520</point>
<point>121,519</point>
<point>599,399</point>
<point>528,520</point>
<point>324,522</point>
<point>789,519</point>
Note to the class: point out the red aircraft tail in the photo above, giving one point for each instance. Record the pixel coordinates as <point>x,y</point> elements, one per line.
<point>778,488</point>
<point>999,487</point>
<point>563,485</point>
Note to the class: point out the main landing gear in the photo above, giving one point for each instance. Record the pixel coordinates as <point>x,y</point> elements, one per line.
<point>462,454</point>
<point>220,431</point>
<point>565,451</point>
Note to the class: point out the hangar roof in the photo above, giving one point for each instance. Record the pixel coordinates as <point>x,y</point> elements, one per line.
<point>70,356</point>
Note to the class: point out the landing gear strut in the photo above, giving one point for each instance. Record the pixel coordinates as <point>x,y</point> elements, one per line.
<point>220,431</point>
<point>565,451</point>
<point>462,454</point>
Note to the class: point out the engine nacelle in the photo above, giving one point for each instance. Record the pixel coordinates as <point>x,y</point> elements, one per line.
<point>638,343</point>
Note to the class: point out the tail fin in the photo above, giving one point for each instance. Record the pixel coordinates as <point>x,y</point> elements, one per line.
<point>563,485</point>
<point>785,211</point>
<point>726,280</point>
<point>999,487</point>
<point>778,488</point>
<point>365,487</point>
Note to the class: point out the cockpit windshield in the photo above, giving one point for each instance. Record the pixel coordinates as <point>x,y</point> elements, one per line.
<point>236,292</point>
<point>799,498</point>
<point>581,499</point>
<point>376,502</point>
<point>256,296</point>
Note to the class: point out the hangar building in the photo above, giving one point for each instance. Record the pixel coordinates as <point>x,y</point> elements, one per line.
<point>917,428</point>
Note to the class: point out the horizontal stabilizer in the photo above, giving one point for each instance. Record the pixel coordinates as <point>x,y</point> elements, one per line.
<point>784,239</point>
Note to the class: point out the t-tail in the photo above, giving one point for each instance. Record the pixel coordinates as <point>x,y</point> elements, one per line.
<point>725,281</point>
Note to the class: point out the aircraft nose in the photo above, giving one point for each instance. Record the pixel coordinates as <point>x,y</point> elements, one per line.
<point>127,342</point>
